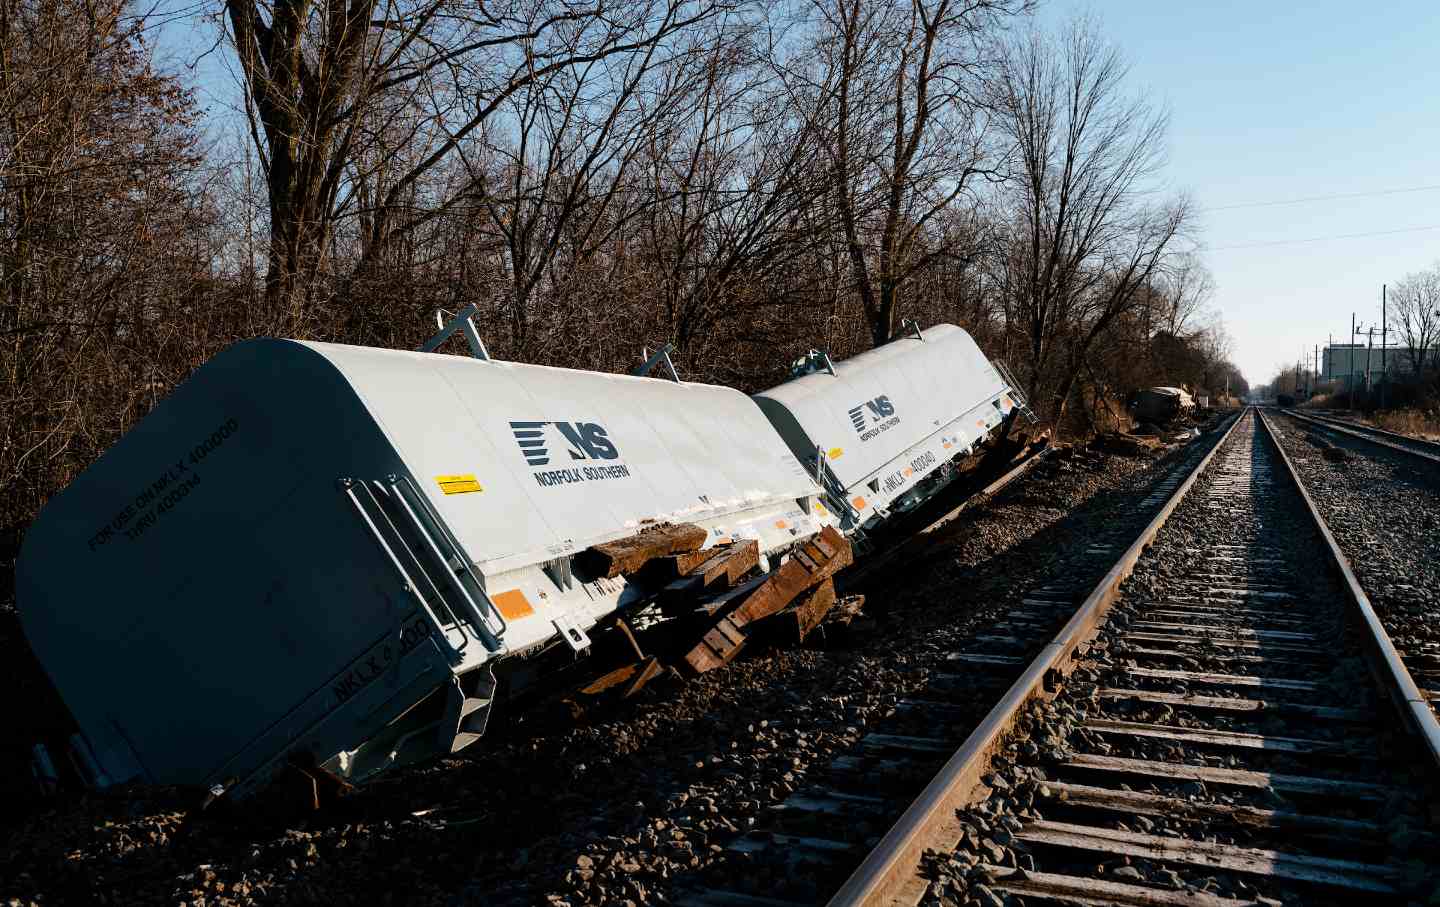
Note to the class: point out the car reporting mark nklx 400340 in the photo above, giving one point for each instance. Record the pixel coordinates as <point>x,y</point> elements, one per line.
<point>397,541</point>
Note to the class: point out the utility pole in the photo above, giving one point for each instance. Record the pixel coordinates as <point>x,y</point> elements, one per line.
<point>1316,372</point>
<point>1350,381</point>
<point>1369,358</point>
<point>1384,343</point>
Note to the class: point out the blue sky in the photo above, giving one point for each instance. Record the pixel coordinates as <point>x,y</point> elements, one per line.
<point>1270,102</point>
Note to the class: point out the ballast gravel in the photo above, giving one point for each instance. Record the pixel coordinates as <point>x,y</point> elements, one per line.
<point>1023,777</point>
<point>1384,509</point>
<point>632,808</point>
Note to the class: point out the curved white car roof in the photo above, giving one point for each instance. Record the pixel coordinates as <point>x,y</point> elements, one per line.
<point>670,450</point>
<point>881,402</point>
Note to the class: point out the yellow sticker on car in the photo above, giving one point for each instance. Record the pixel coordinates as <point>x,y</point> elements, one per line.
<point>837,452</point>
<point>464,484</point>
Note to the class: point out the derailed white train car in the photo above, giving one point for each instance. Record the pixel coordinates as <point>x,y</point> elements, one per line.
<point>880,429</point>
<point>331,550</point>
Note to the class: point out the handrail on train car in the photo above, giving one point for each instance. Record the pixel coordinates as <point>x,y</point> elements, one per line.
<point>406,582</point>
<point>406,492</point>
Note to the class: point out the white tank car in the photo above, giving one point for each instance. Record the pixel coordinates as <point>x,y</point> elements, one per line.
<point>878,429</point>
<point>329,549</point>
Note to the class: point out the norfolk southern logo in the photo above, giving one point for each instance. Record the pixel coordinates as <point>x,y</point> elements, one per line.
<point>583,441</point>
<point>873,417</point>
<point>531,438</point>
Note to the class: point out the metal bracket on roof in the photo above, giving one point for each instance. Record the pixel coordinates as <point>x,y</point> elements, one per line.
<point>463,321</point>
<point>655,358</point>
<point>913,326</point>
<point>810,363</point>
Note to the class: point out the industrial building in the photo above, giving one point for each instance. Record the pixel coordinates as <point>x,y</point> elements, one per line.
<point>1355,361</point>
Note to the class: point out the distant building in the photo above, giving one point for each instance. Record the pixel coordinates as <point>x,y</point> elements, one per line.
<point>1347,362</point>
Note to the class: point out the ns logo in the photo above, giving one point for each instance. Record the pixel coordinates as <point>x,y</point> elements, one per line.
<point>581,440</point>
<point>880,408</point>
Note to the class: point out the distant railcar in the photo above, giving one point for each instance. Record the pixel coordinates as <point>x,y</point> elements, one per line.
<point>1160,404</point>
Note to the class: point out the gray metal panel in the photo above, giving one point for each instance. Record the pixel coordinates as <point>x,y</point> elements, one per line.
<point>180,620</point>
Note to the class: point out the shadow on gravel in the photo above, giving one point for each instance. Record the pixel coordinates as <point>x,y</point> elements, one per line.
<point>980,557</point>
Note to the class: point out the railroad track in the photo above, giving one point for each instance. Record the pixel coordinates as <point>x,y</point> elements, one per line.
<point>805,846</point>
<point>1222,728</point>
<point>1414,634</point>
<point>1418,447</point>
<point>1231,725</point>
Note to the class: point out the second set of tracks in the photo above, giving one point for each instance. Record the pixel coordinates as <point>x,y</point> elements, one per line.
<point>1221,720</point>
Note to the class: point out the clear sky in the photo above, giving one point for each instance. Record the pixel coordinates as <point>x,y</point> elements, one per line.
<point>1270,101</point>
<point>1273,101</point>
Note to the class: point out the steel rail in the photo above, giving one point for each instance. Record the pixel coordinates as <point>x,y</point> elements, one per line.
<point>889,874</point>
<point>1385,662</point>
<point>1370,435</point>
<point>1328,415</point>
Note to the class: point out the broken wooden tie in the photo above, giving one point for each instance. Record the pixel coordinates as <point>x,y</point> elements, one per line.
<point>810,565</point>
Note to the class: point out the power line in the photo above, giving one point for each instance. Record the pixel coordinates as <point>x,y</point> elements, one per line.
<point>1324,198</point>
<point>1294,242</point>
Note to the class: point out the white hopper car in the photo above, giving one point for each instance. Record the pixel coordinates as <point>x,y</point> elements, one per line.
<point>880,430</point>
<point>332,550</point>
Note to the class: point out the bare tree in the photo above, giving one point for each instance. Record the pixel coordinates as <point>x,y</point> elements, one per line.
<point>1215,346</point>
<point>910,135</point>
<point>1087,239</point>
<point>1186,287</point>
<point>730,183</point>
<point>103,237</point>
<point>1416,301</point>
<point>321,78</point>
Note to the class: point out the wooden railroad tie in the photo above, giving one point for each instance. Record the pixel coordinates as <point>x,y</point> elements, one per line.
<point>809,566</point>
<point>627,555</point>
<point>713,569</point>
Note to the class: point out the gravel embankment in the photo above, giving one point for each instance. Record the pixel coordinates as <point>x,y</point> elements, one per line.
<point>629,808</point>
<point>1050,733</point>
<point>1384,509</point>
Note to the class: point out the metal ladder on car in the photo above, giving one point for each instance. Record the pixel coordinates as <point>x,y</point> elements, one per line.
<point>834,490</point>
<point>427,558</point>
<point>1020,402</point>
